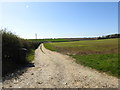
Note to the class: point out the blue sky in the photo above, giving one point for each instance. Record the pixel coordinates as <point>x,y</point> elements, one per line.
<point>60,19</point>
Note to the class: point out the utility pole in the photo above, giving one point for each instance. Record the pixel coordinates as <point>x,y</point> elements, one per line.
<point>36,36</point>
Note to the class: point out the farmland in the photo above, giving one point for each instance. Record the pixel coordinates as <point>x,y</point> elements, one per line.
<point>98,54</point>
<point>49,40</point>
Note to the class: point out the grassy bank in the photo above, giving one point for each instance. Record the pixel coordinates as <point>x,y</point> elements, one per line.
<point>98,54</point>
<point>30,56</point>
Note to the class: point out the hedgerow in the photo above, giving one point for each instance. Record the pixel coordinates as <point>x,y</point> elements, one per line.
<point>15,50</point>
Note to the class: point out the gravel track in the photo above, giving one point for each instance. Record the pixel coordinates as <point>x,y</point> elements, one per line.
<point>55,70</point>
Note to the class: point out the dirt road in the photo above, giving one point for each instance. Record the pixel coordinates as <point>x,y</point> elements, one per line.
<point>54,70</point>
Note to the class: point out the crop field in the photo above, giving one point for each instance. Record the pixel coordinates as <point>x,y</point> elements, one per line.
<point>49,40</point>
<point>98,54</point>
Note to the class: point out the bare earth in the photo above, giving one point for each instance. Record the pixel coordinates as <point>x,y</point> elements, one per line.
<point>54,70</point>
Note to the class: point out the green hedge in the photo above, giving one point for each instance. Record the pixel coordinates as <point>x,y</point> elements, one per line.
<point>13,50</point>
<point>10,46</point>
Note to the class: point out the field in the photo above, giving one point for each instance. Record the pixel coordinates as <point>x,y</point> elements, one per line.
<point>98,54</point>
<point>49,40</point>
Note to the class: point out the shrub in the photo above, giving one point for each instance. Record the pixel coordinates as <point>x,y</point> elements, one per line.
<point>10,46</point>
<point>15,51</point>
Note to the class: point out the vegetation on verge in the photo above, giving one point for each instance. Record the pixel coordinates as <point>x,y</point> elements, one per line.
<point>30,56</point>
<point>99,54</point>
<point>102,62</point>
<point>50,46</point>
<point>16,51</point>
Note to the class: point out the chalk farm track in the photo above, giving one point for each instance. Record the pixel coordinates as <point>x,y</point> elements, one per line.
<point>55,70</point>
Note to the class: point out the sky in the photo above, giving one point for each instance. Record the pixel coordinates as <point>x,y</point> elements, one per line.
<point>59,19</point>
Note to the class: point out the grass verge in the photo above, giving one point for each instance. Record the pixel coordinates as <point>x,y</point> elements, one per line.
<point>50,47</point>
<point>30,56</point>
<point>103,62</point>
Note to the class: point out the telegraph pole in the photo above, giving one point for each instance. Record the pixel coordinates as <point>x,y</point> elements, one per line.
<point>36,36</point>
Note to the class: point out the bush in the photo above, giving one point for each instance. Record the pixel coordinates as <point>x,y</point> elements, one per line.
<point>15,51</point>
<point>10,46</point>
